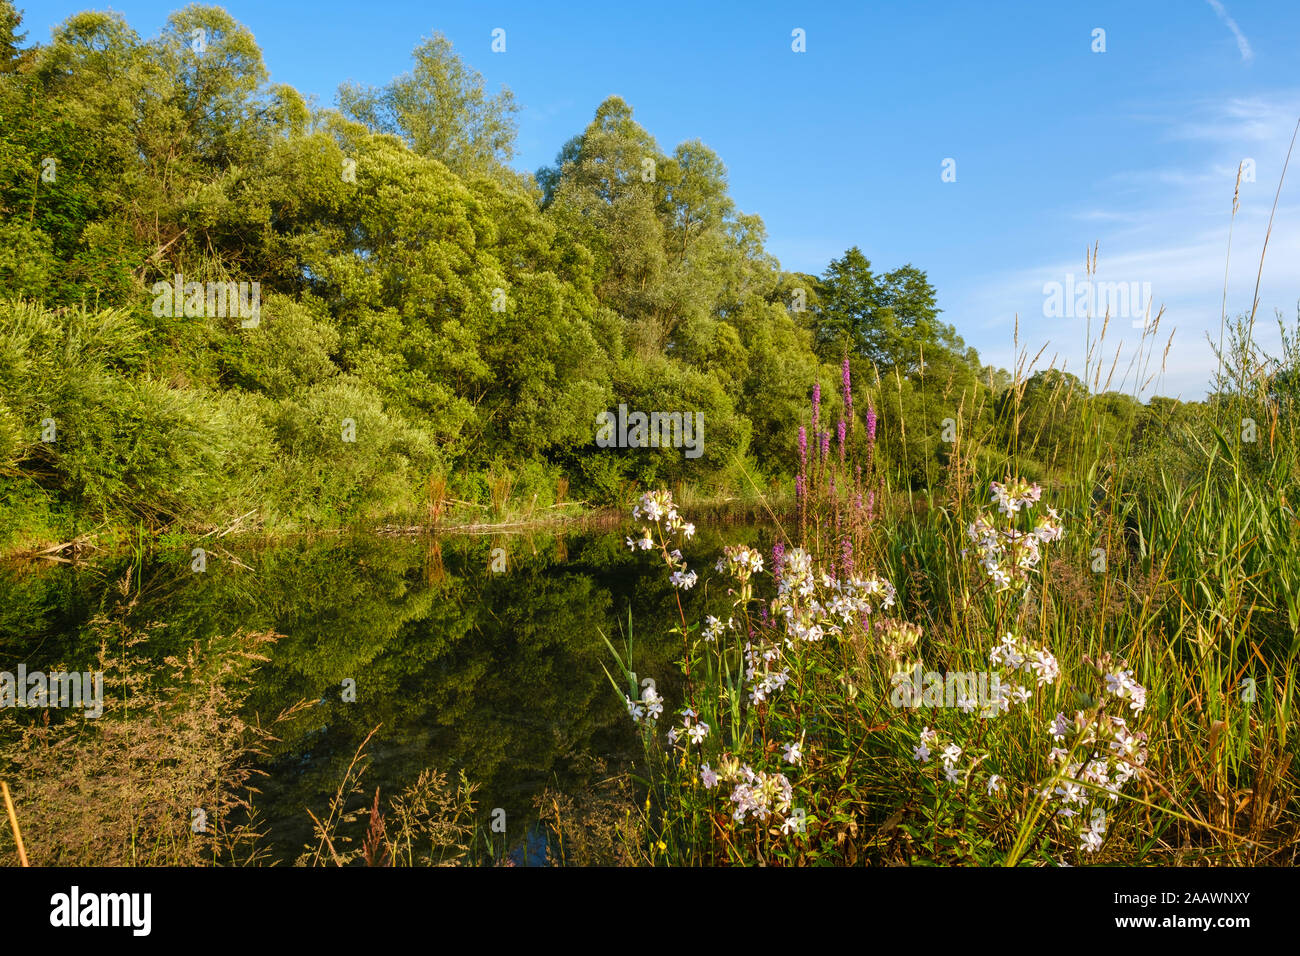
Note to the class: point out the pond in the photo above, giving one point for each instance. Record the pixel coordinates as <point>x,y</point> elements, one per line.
<point>465,657</point>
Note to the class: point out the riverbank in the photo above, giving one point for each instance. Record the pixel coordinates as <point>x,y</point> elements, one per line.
<point>464,519</point>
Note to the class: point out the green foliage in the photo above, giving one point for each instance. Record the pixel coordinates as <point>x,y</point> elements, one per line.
<point>465,321</point>
<point>441,111</point>
<point>468,319</point>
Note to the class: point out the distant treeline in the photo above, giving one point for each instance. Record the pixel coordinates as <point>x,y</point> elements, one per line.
<point>215,297</point>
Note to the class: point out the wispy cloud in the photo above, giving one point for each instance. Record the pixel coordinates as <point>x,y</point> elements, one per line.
<point>1241,119</point>
<point>1171,231</point>
<point>1247,54</point>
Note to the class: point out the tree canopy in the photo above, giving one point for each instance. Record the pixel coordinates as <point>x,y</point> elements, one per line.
<point>469,321</point>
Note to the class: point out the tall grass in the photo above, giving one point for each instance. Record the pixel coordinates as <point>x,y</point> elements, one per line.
<point>1180,562</point>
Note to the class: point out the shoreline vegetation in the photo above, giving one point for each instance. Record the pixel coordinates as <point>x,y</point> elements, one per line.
<point>575,515</point>
<point>1142,653</point>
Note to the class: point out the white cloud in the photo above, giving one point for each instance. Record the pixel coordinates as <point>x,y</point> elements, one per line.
<point>1167,227</point>
<point>1242,43</point>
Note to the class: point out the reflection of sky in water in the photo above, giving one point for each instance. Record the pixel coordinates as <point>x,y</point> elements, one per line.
<point>532,850</point>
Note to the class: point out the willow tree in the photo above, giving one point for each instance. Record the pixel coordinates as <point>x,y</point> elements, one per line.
<point>441,109</point>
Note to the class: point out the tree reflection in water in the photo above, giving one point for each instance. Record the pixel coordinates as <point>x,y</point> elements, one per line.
<point>494,673</point>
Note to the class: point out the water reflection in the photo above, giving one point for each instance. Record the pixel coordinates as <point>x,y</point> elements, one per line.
<point>463,668</point>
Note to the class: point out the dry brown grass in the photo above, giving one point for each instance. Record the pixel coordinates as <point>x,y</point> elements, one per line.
<point>598,826</point>
<point>122,790</point>
<point>431,823</point>
<point>436,498</point>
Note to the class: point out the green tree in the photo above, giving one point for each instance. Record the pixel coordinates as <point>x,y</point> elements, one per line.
<point>441,110</point>
<point>890,320</point>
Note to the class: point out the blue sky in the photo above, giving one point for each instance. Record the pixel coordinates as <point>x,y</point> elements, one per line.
<point>1056,147</point>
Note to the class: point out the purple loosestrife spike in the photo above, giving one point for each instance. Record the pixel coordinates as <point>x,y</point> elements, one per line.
<point>871,424</point>
<point>817,403</point>
<point>799,490</point>
<point>848,389</point>
<point>842,433</point>
<point>778,552</point>
<point>846,557</point>
<point>826,445</point>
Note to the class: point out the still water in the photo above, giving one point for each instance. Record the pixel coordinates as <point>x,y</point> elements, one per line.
<point>496,673</point>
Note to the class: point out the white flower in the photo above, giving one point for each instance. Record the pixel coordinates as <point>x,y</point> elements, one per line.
<point>994,784</point>
<point>684,581</point>
<point>654,505</point>
<point>1044,666</point>
<point>1007,652</point>
<point>1123,686</point>
<point>633,709</point>
<point>792,753</point>
<point>1090,841</point>
<point>951,754</point>
<point>698,732</point>
<point>1070,792</point>
<point>1096,773</point>
<point>1117,683</point>
<point>654,704</point>
<point>1060,726</point>
<point>708,777</point>
<point>921,752</point>
<point>1124,743</point>
<point>1048,529</point>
